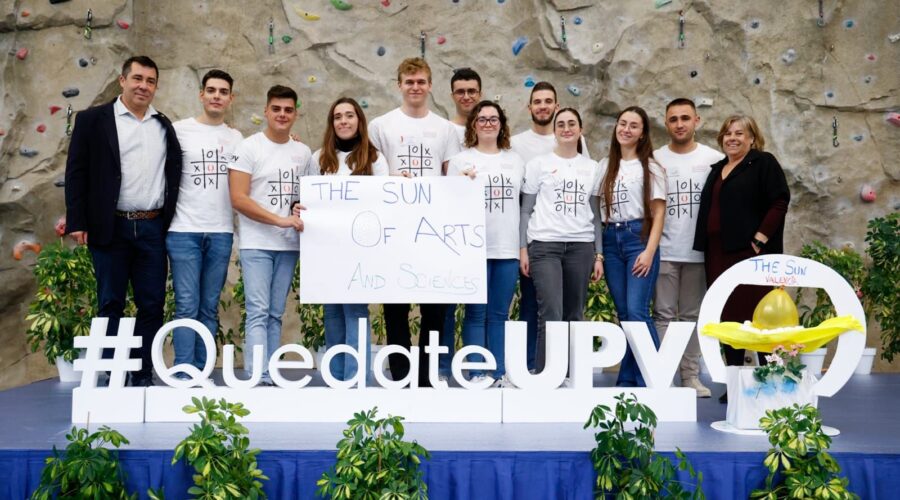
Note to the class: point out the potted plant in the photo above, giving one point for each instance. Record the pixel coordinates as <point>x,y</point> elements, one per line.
<point>880,286</point>
<point>373,461</point>
<point>799,457</point>
<point>86,470</point>
<point>626,464</point>
<point>219,450</point>
<point>64,303</point>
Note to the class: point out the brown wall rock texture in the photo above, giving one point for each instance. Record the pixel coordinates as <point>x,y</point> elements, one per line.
<point>768,58</point>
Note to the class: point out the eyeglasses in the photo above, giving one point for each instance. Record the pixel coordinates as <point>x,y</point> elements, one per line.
<point>483,120</point>
<point>466,92</point>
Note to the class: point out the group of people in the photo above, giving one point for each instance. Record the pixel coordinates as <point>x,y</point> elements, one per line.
<point>659,225</point>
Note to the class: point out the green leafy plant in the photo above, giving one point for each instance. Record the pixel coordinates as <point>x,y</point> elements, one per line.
<point>86,470</point>
<point>781,363</point>
<point>846,262</point>
<point>880,287</point>
<point>626,464</point>
<point>218,448</point>
<point>600,305</point>
<point>799,455</point>
<point>65,301</point>
<point>374,462</point>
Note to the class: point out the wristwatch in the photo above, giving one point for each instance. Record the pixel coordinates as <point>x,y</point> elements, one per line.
<point>759,243</point>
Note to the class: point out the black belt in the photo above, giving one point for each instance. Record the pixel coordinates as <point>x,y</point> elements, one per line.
<point>139,214</point>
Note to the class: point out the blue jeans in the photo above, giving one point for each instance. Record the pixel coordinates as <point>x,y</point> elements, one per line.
<point>267,280</point>
<point>528,312</point>
<point>448,340</point>
<point>342,327</point>
<point>136,254</point>
<point>485,324</point>
<point>199,264</point>
<point>631,295</point>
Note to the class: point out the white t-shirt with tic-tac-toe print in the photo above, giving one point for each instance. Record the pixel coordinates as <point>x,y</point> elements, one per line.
<point>685,176</point>
<point>204,205</point>
<point>628,191</point>
<point>564,187</point>
<point>275,171</point>
<point>417,146</point>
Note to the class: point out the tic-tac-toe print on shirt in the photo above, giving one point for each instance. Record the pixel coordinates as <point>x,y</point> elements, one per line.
<point>415,156</point>
<point>211,170</point>
<point>283,187</point>
<point>619,199</point>
<point>571,196</point>
<point>499,193</point>
<point>683,198</point>
<point>627,200</point>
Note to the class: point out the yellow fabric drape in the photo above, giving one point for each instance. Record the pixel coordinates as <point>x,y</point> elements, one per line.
<point>813,338</point>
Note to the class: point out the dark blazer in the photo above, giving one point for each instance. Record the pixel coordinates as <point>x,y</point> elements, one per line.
<point>94,173</point>
<point>746,196</point>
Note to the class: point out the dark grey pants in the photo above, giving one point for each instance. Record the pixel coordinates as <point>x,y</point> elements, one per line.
<point>561,274</point>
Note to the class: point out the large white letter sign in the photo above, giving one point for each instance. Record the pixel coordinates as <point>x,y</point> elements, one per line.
<point>392,240</point>
<point>779,269</point>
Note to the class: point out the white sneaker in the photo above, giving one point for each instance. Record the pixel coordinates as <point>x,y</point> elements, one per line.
<point>567,382</point>
<point>506,383</point>
<point>694,383</point>
<point>478,379</point>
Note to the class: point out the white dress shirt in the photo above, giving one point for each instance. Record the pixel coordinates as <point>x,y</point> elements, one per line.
<point>142,154</point>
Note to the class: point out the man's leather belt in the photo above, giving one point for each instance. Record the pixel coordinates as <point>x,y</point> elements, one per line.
<point>139,214</point>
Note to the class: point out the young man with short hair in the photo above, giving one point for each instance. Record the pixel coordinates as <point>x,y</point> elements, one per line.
<point>465,89</point>
<point>682,279</point>
<point>264,181</point>
<point>529,144</point>
<point>200,237</point>
<point>122,177</point>
<point>415,142</point>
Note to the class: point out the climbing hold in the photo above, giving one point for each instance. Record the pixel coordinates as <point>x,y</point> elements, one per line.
<point>28,152</point>
<point>70,92</point>
<point>757,80</point>
<point>363,103</point>
<point>341,5</point>
<point>21,54</point>
<point>871,57</point>
<point>297,104</point>
<point>597,47</point>
<point>256,119</point>
<point>754,23</point>
<point>312,79</point>
<point>60,182</point>
<point>21,246</point>
<point>575,91</point>
<point>2,132</point>
<point>41,128</point>
<point>704,102</point>
<point>577,21</point>
<point>858,137</point>
<point>83,62</point>
<point>893,119</point>
<point>307,15</point>
<point>694,74</point>
<point>381,51</point>
<point>25,13</point>
<point>849,23</point>
<point>54,109</point>
<point>867,79</point>
<point>661,3</point>
<point>829,94</point>
<point>386,3</point>
<point>501,1</point>
<point>529,81</point>
<point>894,38</point>
<point>286,38</point>
<point>123,24</point>
<point>789,56</point>
<point>441,40</point>
<point>867,193</point>
<point>519,44</point>
<point>497,97</point>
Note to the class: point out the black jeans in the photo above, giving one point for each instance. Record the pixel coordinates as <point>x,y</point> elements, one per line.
<point>396,321</point>
<point>136,255</point>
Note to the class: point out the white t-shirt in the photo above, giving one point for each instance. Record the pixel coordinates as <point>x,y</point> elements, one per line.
<point>685,174</point>
<point>628,191</point>
<point>204,205</point>
<point>564,187</point>
<point>529,145</point>
<point>461,133</point>
<point>275,171</point>
<point>415,145</point>
<point>379,166</point>
<point>502,175</point>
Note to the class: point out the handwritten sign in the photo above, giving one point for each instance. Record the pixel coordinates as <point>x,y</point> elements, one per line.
<point>377,240</point>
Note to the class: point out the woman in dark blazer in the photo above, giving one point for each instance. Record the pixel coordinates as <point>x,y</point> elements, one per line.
<point>742,210</point>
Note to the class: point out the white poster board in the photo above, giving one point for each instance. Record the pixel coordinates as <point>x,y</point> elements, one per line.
<point>377,240</point>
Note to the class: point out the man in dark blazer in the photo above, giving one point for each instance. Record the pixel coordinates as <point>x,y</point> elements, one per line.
<point>122,177</point>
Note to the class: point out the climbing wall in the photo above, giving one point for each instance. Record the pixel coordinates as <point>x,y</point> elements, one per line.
<point>820,77</point>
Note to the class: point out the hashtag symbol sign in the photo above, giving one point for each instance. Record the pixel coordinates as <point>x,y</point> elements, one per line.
<point>93,345</point>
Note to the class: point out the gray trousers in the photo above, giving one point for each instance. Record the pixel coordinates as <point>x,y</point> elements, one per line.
<point>561,274</point>
<point>679,290</point>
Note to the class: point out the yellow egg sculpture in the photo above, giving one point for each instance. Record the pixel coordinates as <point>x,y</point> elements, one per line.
<point>776,310</point>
